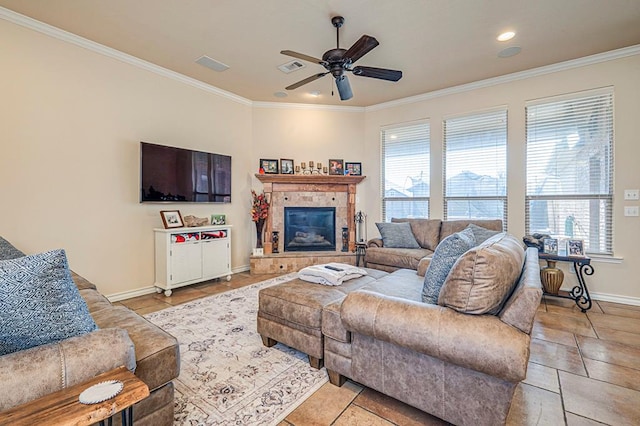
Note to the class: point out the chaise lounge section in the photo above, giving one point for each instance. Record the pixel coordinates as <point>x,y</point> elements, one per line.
<point>457,360</point>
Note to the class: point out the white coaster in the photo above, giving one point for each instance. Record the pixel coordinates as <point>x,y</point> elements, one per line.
<point>101,392</point>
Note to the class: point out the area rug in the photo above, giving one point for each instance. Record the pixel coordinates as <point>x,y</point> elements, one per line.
<point>227,376</point>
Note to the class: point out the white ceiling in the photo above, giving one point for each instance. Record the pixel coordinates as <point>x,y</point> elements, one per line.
<point>436,43</point>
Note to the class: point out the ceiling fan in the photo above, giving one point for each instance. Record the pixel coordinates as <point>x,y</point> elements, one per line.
<point>337,61</point>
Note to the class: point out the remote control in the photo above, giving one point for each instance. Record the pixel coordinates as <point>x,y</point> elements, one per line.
<point>333,268</point>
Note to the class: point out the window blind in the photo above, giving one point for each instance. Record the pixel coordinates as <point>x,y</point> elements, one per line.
<point>405,183</point>
<point>475,166</point>
<point>570,169</point>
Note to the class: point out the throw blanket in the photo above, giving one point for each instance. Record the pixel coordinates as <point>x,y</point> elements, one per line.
<point>330,273</point>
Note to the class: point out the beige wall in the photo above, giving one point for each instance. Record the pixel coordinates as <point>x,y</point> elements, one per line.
<point>610,279</point>
<point>72,120</point>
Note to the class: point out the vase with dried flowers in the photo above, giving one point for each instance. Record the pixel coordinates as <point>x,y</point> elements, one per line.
<point>259,213</point>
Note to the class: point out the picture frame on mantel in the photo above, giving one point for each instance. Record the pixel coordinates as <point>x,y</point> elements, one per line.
<point>336,167</point>
<point>353,169</point>
<point>286,166</point>
<point>270,167</point>
<point>171,219</point>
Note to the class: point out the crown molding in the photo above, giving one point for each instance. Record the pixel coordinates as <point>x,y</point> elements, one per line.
<point>521,75</point>
<point>323,107</point>
<point>68,37</point>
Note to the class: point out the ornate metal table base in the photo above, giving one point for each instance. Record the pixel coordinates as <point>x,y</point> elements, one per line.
<point>579,293</point>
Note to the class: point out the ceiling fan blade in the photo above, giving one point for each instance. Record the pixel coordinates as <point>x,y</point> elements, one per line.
<point>305,81</point>
<point>360,48</point>
<point>381,73</point>
<point>303,57</point>
<point>344,88</point>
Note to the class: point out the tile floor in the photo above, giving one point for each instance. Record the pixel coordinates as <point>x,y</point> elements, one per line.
<point>584,369</point>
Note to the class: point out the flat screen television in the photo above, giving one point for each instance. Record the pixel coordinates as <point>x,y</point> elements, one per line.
<point>177,175</point>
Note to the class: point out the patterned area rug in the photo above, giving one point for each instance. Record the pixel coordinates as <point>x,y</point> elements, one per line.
<point>226,375</point>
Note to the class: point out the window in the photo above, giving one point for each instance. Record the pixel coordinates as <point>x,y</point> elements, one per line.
<point>570,169</point>
<point>475,166</point>
<point>405,171</point>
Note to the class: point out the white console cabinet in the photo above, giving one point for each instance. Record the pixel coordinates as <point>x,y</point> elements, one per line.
<point>190,255</point>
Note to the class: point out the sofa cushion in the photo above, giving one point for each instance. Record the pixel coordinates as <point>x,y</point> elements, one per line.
<point>426,231</point>
<point>481,234</point>
<point>39,302</point>
<point>449,227</point>
<point>8,251</point>
<point>397,235</point>
<point>483,277</point>
<point>397,258</point>
<point>446,254</point>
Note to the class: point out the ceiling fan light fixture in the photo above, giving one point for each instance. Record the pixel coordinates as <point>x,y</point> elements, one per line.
<point>280,95</point>
<point>506,36</point>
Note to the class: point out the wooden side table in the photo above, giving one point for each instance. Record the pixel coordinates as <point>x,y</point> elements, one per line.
<point>64,408</point>
<point>582,266</point>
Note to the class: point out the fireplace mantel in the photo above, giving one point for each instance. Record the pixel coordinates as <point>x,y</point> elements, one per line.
<point>311,183</point>
<point>313,179</point>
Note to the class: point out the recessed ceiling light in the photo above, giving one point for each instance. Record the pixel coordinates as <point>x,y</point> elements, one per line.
<point>506,36</point>
<point>315,93</point>
<point>509,51</point>
<point>280,95</point>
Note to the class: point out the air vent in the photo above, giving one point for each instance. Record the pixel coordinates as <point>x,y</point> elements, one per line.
<point>291,66</point>
<point>211,63</point>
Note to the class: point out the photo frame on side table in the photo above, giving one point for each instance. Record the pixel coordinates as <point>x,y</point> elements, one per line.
<point>576,248</point>
<point>336,167</point>
<point>551,246</point>
<point>171,219</point>
<point>353,169</point>
<point>270,167</point>
<point>286,166</point>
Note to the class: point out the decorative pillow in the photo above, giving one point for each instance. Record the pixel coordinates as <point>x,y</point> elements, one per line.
<point>426,231</point>
<point>39,303</point>
<point>397,235</point>
<point>481,234</point>
<point>446,254</point>
<point>484,277</point>
<point>8,251</point>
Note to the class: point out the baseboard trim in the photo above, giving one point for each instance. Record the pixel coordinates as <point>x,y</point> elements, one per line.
<point>116,297</point>
<point>625,300</point>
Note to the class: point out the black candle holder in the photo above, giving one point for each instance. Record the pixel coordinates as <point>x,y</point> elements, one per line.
<point>275,240</point>
<point>345,238</point>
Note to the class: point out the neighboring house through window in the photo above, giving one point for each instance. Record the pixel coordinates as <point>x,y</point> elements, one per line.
<point>475,166</point>
<point>570,168</point>
<point>405,171</point>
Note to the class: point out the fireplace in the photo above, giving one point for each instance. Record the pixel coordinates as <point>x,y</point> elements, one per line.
<point>309,229</point>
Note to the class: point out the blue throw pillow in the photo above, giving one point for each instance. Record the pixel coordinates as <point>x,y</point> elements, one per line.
<point>8,251</point>
<point>397,235</point>
<point>446,254</point>
<point>39,302</point>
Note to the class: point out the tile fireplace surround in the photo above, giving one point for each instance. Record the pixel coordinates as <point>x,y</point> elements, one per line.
<point>306,191</point>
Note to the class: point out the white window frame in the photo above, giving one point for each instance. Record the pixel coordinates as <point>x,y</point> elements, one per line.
<point>490,115</point>
<point>600,202</point>
<point>392,131</point>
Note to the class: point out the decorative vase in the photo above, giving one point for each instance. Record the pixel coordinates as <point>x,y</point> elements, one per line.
<point>275,240</point>
<point>259,227</point>
<point>551,277</point>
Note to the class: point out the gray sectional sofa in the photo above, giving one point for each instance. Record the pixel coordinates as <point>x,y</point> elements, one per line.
<point>122,338</point>
<point>448,359</point>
